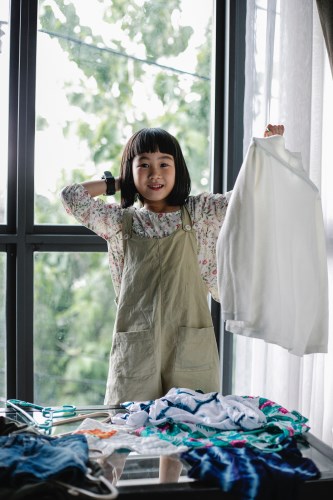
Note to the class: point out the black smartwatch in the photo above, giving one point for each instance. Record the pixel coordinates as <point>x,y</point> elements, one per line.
<point>110,183</point>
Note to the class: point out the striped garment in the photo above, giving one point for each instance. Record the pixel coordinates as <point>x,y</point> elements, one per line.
<point>190,418</point>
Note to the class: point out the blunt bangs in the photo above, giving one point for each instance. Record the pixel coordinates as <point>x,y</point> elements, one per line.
<point>151,140</point>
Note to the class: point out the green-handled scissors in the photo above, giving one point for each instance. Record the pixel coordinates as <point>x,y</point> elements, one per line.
<point>48,412</point>
<point>59,412</point>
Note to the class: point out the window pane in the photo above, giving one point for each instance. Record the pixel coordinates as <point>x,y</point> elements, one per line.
<point>2,324</point>
<point>74,313</point>
<point>4,74</point>
<point>116,67</point>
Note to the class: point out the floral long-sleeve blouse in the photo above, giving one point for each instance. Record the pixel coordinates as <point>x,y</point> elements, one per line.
<point>207,212</point>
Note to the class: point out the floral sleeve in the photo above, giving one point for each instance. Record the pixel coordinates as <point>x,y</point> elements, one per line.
<point>209,209</point>
<point>102,218</point>
<point>208,212</point>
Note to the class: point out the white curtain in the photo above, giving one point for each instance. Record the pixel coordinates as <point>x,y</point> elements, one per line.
<point>288,81</point>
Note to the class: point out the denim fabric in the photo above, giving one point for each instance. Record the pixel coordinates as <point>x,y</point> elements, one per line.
<point>52,490</point>
<point>251,474</point>
<point>27,457</point>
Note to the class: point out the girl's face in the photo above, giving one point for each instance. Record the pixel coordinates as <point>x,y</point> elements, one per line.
<point>154,177</point>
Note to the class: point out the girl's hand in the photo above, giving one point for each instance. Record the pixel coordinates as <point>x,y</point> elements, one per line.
<point>274,130</point>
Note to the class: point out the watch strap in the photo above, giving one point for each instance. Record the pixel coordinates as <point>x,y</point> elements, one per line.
<point>110,183</point>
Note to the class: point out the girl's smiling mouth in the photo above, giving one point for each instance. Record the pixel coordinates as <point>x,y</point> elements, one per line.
<point>155,187</point>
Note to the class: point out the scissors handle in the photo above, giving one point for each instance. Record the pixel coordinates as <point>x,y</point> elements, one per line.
<point>63,411</point>
<point>25,404</point>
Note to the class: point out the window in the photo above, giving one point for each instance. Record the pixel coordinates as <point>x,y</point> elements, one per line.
<point>74,312</point>
<point>76,95</point>
<point>4,81</point>
<point>4,96</point>
<point>117,68</point>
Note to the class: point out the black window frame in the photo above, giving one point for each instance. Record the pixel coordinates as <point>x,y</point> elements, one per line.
<point>20,237</point>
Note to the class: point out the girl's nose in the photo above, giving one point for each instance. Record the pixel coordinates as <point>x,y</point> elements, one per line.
<point>154,172</point>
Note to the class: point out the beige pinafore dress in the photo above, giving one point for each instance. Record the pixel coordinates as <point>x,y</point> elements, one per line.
<point>163,335</point>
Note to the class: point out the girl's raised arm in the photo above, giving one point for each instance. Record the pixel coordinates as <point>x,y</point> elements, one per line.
<point>96,188</point>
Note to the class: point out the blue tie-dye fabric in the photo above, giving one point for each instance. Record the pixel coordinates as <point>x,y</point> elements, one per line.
<point>251,474</point>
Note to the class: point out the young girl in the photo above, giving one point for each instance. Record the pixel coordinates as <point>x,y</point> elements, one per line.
<point>163,264</point>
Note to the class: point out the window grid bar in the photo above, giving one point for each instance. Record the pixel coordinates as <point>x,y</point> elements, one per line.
<point>218,134</point>
<point>234,146</point>
<point>25,198</point>
<point>11,375</point>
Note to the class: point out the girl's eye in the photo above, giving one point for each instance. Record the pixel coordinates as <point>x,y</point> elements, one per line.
<point>144,165</point>
<point>164,165</point>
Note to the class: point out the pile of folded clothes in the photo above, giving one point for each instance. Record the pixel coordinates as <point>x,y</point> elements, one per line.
<point>247,446</point>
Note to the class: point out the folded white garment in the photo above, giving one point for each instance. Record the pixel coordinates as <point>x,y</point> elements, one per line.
<point>123,438</point>
<point>271,252</point>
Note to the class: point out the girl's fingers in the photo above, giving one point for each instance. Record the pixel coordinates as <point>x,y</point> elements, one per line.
<point>274,130</point>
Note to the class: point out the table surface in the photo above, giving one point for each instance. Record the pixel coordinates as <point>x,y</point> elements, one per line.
<point>140,474</point>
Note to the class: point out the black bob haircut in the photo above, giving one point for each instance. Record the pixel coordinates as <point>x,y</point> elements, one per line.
<point>151,140</point>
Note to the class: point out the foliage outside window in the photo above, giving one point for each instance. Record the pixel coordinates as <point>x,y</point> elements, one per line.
<point>74,315</point>
<point>137,63</point>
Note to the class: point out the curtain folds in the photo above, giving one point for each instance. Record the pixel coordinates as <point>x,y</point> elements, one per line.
<point>286,81</point>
